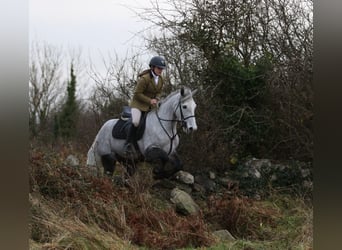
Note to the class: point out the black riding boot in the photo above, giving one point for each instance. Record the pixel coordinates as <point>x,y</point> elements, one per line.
<point>130,141</point>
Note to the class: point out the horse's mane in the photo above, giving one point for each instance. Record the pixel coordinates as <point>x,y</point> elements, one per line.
<point>169,96</point>
<point>187,92</point>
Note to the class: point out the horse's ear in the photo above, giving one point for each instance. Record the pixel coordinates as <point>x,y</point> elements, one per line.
<point>182,91</point>
<point>194,92</point>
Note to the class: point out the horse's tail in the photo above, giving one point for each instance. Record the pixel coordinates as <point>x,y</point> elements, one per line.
<point>91,158</point>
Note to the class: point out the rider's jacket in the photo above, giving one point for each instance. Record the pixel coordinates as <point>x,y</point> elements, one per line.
<point>146,90</point>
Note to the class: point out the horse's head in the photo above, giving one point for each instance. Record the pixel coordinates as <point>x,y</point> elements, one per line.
<point>186,110</point>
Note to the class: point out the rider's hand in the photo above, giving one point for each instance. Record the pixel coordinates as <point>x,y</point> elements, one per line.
<point>154,101</point>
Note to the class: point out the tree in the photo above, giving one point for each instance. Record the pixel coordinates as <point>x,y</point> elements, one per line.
<point>67,121</point>
<point>114,88</point>
<point>44,84</point>
<point>253,59</point>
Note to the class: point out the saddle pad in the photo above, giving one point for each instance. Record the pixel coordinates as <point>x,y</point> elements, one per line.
<point>120,129</point>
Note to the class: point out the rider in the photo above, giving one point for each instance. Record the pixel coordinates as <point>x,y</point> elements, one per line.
<point>146,95</point>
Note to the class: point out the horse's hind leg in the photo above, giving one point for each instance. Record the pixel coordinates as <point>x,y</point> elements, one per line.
<point>108,162</point>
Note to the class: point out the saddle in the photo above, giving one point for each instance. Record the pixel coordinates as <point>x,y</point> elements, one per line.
<point>120,129</point>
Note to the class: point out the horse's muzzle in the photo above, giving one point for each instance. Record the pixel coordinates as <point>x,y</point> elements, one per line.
<point>189,130</point>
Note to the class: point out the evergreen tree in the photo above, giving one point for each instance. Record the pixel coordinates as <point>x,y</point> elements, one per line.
<point>66,124</point>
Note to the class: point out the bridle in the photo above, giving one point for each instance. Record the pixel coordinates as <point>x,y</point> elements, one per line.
<point>182,121</point>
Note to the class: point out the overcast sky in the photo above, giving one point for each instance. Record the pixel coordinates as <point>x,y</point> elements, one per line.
<point>96,26</point>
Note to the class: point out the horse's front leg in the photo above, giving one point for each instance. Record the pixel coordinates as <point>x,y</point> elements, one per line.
<point>175,161</point>
<point>108,163</point>
<point>157,158</point>
<point>163,165</point>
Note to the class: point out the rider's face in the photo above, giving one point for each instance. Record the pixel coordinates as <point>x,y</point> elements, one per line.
<point>158,71</point>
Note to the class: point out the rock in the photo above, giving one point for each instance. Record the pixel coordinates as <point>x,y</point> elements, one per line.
<point>308,185</point>
<point>255,173</point>
<point>227,182</point>
<point>164,184</point>
<point>305,172</point>
<point>280,167</point>
<point>184,177</point>
<point>72,161</point>
<point>258,175</point>
<point>255,166</point>
<point>205,182</point>
<point>162,189</point>
<point>198,188</point>
<point>224,235</point>
<point>212,175</point>
<point>185,187</point>
<point>258,163</point>
<point>252,172</point>
<point>184,203</point>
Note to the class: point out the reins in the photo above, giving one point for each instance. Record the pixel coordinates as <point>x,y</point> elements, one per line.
<point>183,119</point>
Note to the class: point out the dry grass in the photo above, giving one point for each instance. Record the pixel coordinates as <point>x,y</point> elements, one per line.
<point>280,222</point>
<point>71,209</point>
<point>167,230</point>
<point>53,230</point>
<point>243,217</point>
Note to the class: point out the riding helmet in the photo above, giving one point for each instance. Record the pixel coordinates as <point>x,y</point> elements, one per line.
<point>157,61</point>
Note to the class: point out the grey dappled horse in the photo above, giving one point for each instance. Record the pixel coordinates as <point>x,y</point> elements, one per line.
<point>159,141</point>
